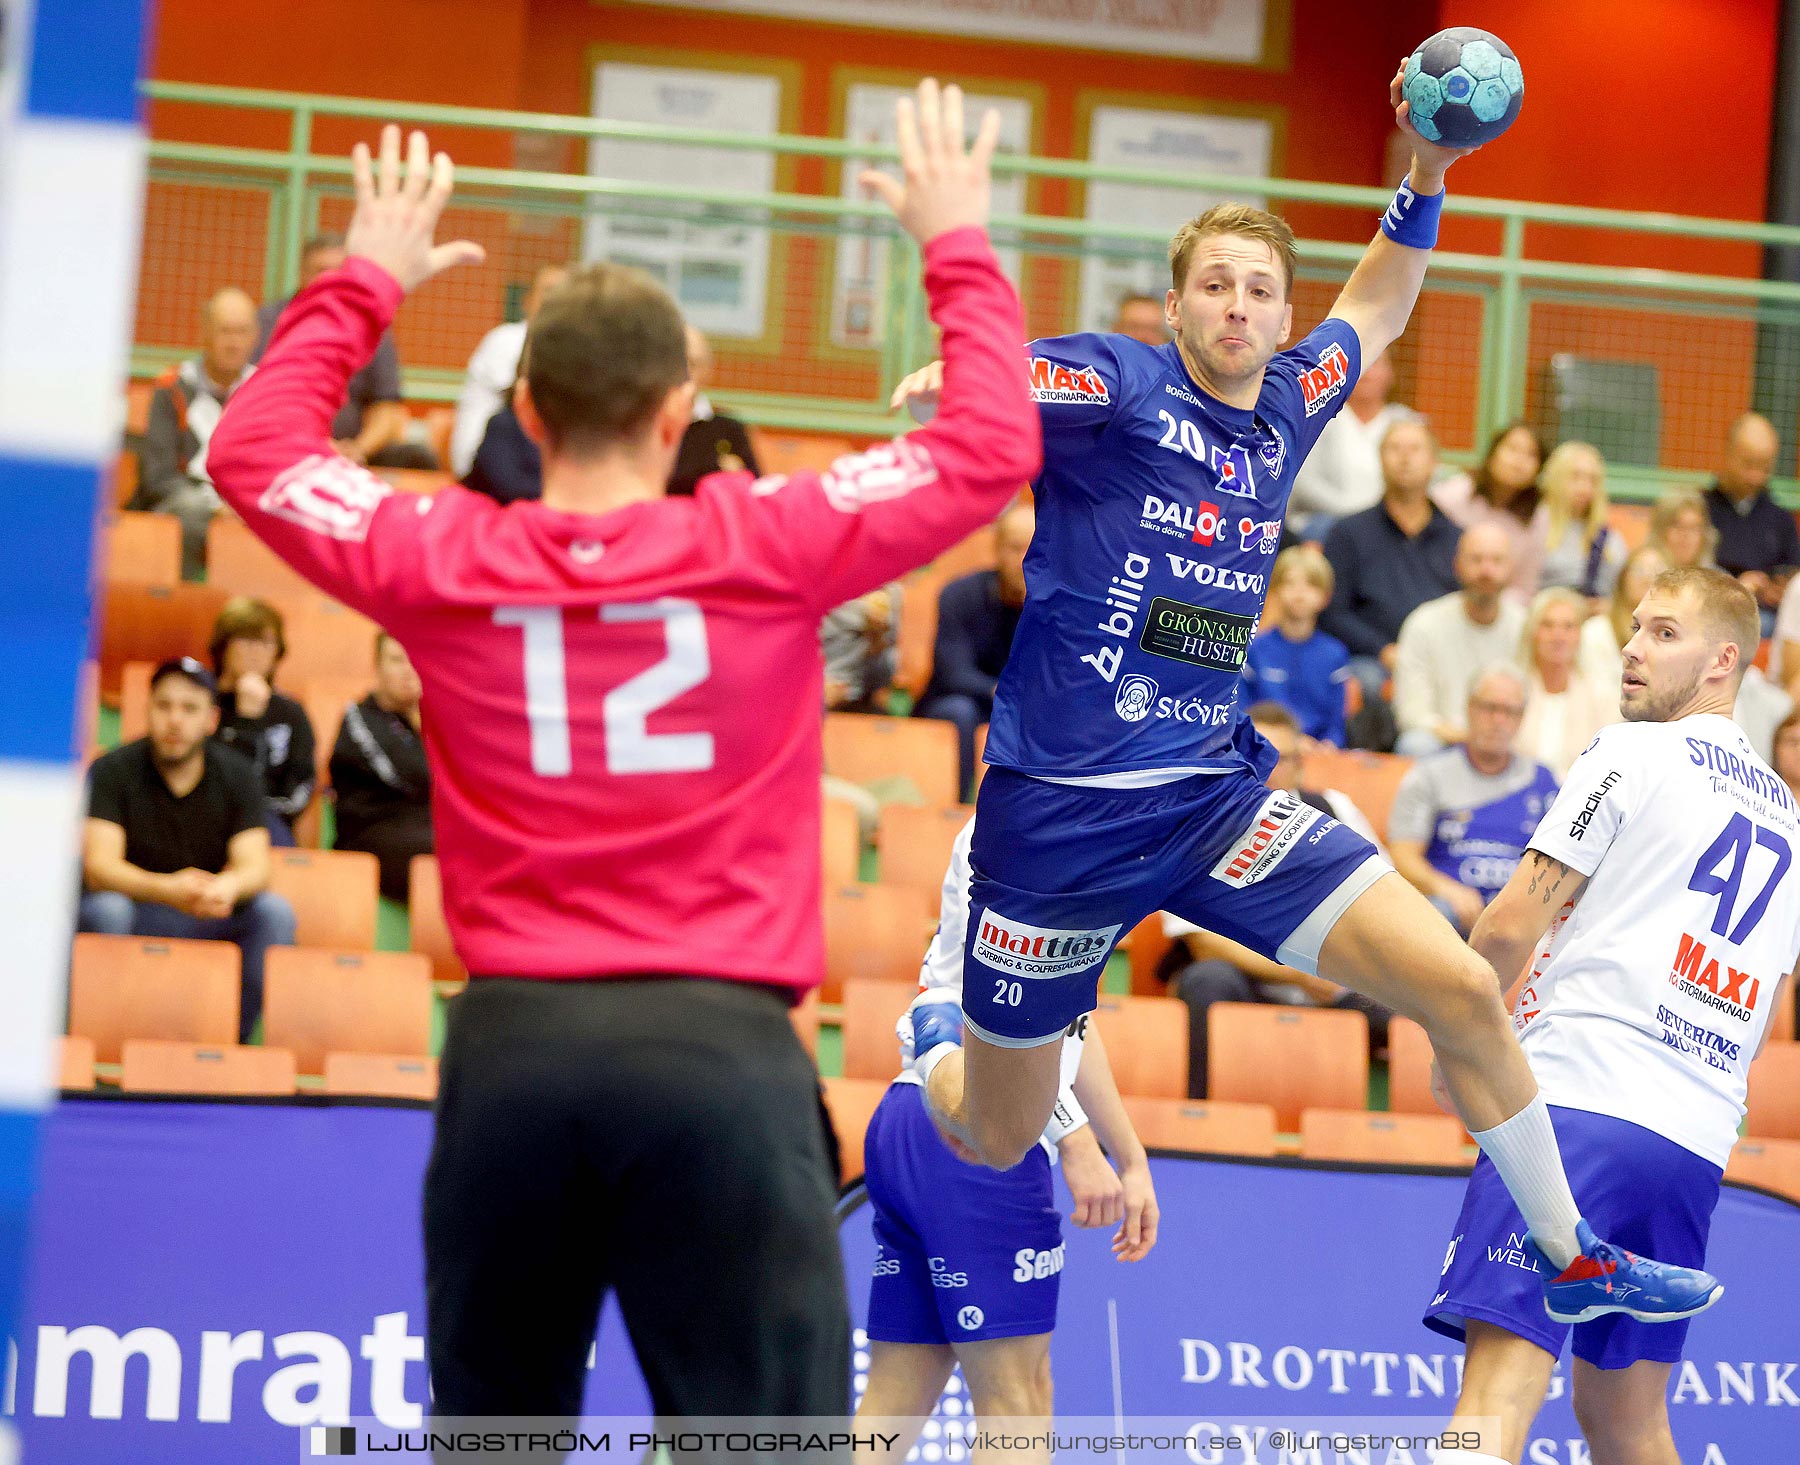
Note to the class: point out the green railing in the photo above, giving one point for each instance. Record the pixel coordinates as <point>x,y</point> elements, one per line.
<point>1658,360</point>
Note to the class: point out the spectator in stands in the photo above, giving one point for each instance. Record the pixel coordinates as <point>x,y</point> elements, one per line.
<point>1681,528</point>
<point>494,366</point>
<point>1758,540</point>
<point>176,842</point>
<point>1343,474</point>
<point>858,643</point>
<point>1389,560</point>
<point>1294,662</point>
<point>268,728</point>
<point>1143,318</point>
<point>714,443</point>
<point>1581,551</point>
<point>372,424</point>
<point>1462,818</point>
<point>1563,708</point>
<point>184,409</point>
<point>1786,760</point>
<point>379,778</point>
<point>977,616</point>
<point>1503,491</point>
<point>1603,637</point>
<point>1203,968</point>
<point>1446,641</point>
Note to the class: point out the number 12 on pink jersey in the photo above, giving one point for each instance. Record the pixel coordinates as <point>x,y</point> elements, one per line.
<point>630,745</point>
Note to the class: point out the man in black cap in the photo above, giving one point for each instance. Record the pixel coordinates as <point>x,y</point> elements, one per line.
<point>176,841</point>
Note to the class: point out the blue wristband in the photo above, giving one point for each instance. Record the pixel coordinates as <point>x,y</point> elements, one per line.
<point>1412,218</point>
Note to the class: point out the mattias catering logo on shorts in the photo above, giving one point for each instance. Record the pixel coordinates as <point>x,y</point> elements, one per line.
<point>1134,699</point>
<point>1253,856</point>
<point>1039,951</point>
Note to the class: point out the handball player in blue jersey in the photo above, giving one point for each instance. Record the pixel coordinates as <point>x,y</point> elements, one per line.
<point>1123,778</point>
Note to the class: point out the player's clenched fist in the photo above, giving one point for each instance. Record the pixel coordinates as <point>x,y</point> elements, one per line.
<point>397,211</point>
<point>945,185</point>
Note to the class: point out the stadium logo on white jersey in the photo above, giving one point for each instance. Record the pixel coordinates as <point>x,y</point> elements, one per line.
<point>1051,381</point>
<point>328,495</point>
<point>1039,951</point>
<point>1578,827</point>
<point>1324,381</point>
<point>1266,843</point>
<point>1134,699</point>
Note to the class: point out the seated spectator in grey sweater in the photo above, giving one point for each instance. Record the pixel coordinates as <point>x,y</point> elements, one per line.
<point>270,729</point>
<point>371,425</point>
<point>977,618</point>
<point>379,776</point>
<point>184,409</point>
<point>858,641</point>
<point>175,843</point>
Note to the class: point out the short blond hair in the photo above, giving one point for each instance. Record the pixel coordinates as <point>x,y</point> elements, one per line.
<point>1542,604</point>
<point>1728,609</point>
<point>1674,503</point>
<point>1233,218</point>
<point>1309,563</point>
<point>1553,486</point>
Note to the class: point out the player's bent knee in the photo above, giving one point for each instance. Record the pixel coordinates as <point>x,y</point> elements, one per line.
<point>1624,1437</point>
<point>1007,1393</point>
<point>1001,1139</point>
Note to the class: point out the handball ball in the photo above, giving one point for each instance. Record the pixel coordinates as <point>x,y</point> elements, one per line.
<point>1463,87</point>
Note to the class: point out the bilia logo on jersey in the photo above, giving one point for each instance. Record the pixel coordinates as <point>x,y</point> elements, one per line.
<point>1051,381</point>
<point>1324,381</point>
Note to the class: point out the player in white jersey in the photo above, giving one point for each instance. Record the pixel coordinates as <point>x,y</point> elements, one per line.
<point>1659,912</point>
<point>968,1260</point>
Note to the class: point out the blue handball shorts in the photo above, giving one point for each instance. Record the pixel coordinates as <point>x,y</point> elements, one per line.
<point>1060,871</point>
<point>1635,1188</point>
<point>962,1252</point>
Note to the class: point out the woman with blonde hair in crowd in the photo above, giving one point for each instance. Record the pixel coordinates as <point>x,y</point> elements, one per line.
<point>1563,708</point>
<point>1603,636</point>
<point>1683,530</point>
<point>1581,551</point>
<point>1503,491</point>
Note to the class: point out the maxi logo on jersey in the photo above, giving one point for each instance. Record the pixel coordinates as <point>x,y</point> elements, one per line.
<point>1053,382</point>
<point>1721,987</point>
<point>1324,381</point>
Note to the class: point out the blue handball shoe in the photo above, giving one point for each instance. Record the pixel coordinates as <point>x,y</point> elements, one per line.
<point>1607,1278</point>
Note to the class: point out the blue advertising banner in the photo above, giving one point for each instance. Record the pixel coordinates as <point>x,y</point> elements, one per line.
<point>211,1277</point>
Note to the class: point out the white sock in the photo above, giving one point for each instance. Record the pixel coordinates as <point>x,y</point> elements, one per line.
<point>1523,1150</point>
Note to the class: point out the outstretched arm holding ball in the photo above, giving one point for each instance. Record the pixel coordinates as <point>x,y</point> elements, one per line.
<point>1379,296</point>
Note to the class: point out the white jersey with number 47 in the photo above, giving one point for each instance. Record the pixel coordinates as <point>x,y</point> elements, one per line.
<point>1652,992</point>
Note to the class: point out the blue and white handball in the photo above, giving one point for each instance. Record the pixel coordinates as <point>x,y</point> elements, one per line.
<point>1463,87</point>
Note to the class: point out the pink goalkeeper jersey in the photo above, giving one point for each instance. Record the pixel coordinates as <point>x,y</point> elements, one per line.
<point>623,709</point>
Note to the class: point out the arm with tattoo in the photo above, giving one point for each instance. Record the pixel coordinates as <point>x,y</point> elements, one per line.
<point>1516,919</point>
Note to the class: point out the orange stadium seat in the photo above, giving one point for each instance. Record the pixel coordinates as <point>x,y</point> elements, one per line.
<point>1773,1164</point>
<point>915,844</point>
<point>840,838</point>
<point>975,552</point>
<point>804,1015</point>
<point>428,934</point>
<point>74,1063</point>
<point>122,480</point>
<point>334,894</point>
<point>875,931</point>
<point>1381,1139</point>
<point>142,549</point>
<point>149,987</point>
<point>790,452</point>
<point>1631,522</point>
<point>155,1066</point>
<point>852,1103</point>
<point>137,406</point>
<point>1773,1111</point>
<point>153,623</point>
<point>865,749</point>
<point>1145,946</point>
<point>870,1011</point>
<point>1409,1069</point>
<point>1368,780</point>
<point>1291,1057</point>
<point>134,700</point>
<point>382,1075</point>
<point>1212,1126</point>
<point>319,1002</point>
<point>324,700</point>
<point>1147,1044</point>
<point>326,641</point>
<point>915,641</point>
<point>241,564</point>
<point>417,480</point>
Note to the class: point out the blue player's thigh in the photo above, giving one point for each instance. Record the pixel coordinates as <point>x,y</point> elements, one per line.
<point>1057,875</point>
<point>980,1249</point>
<point>1266,870</point>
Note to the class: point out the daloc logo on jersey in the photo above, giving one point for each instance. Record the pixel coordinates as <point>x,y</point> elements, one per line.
<point>1135,696</point>
<point>1232,466</point>
<point>1324,381</point>
<point>1051,381</point>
